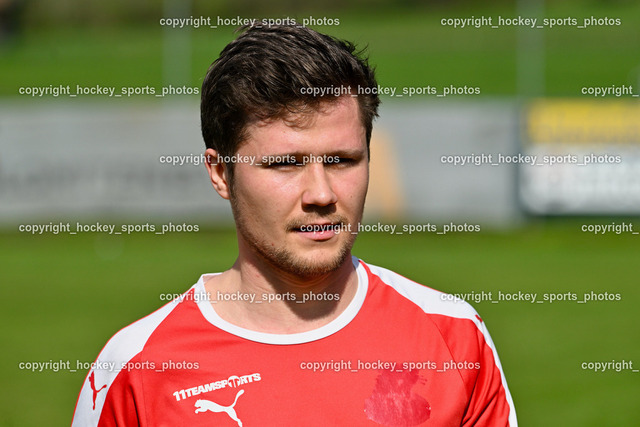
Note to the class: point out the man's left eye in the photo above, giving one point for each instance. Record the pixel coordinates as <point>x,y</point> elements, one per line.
<point>345,161</point>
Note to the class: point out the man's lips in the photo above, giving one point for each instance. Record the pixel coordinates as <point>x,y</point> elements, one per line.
<point>317,227</point>
<point>318,230</point>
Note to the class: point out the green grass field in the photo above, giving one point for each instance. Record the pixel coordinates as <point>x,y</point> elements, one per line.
<point>64,296</point>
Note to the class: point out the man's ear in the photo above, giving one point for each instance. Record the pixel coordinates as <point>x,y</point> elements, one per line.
<point>218,173</point>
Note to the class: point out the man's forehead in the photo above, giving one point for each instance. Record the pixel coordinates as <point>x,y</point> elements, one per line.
<point>336,123</point>
<point>305,115</point>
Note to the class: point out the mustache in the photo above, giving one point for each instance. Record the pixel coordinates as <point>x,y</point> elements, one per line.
<point>296,223</point>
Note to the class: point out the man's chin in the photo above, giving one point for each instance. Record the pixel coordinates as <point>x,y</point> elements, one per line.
<point>311,265</point>
<point>301,257</point>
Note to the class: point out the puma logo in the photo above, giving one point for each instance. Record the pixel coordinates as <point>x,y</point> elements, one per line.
<point>93,388</point>
<point>207,405</point>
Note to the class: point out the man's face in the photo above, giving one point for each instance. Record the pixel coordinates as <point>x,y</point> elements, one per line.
<point>284,210</point>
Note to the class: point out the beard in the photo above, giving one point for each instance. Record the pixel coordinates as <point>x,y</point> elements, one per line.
<point>286,260</point>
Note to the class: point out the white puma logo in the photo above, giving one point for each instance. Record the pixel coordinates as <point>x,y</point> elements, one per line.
<point>207,405</point>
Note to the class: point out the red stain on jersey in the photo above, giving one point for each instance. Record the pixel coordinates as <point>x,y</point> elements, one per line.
<point>478,317</point>
<point>393,403</point>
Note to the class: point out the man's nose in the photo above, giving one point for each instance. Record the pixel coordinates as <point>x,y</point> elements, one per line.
<point>317,186</point>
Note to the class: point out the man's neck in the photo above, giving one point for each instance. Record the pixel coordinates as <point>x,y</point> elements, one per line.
<point>264,299</point>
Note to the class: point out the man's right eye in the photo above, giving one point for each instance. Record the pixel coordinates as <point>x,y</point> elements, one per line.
<point>287,163</point>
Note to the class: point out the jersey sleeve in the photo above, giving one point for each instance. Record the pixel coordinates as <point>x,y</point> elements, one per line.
<point>112,393</point>
<point>490,403</point>
<point>116,405</point>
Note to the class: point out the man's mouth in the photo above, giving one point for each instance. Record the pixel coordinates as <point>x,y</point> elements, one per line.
<point>317,227</point>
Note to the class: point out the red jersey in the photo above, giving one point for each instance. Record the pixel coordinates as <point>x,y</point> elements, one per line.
<point>401,354</point>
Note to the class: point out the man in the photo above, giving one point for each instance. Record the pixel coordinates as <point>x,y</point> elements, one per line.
<point>297,332</point>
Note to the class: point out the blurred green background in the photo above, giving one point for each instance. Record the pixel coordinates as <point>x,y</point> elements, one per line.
<point>121,43</point>
<point>63,296</point>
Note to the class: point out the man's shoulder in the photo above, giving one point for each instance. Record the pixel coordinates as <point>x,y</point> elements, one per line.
<point>429,300</point>
<point>419,307</point>
<point>131,340</point>
<point>133,350</point>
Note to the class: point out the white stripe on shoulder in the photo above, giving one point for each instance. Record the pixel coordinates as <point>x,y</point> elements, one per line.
<point>429,300</point>
<point>117,352</point>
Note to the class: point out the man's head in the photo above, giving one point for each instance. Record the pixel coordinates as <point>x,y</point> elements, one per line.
<point>266,73</point>
<point>258,101</point>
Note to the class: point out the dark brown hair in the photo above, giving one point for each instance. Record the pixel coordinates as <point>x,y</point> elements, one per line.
<point>264,74</point>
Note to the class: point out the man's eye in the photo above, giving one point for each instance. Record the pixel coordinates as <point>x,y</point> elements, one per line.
<point>345,161</point>
<point>282,164</point>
